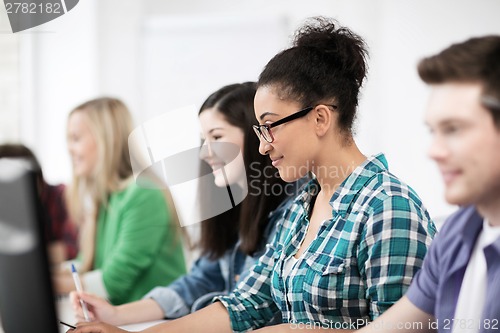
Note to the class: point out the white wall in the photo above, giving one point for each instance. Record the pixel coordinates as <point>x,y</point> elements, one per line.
<point>58,71</point>
<point>9,80</point>
<point>98,48</point>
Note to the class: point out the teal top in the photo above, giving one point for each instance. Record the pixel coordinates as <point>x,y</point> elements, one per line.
<point>137,247</point>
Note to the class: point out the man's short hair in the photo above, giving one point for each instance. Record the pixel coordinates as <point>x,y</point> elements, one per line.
<point>474,60</point>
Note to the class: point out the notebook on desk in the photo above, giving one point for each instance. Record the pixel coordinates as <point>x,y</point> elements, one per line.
<point>26,294</point>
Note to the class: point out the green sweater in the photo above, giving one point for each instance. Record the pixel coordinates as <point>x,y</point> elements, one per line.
<point>136,248</point>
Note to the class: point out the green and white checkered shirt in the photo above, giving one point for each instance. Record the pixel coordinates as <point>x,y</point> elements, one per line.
<point>360,263</point>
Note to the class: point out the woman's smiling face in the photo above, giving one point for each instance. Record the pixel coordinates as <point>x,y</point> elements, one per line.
<point>220,142</point>
<point>292,151</point>
<point>82,145</point>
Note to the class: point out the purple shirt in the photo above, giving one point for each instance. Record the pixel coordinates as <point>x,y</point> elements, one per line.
<point>436,286</point>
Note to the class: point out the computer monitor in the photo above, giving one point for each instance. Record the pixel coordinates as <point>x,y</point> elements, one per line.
<point>26,294</point>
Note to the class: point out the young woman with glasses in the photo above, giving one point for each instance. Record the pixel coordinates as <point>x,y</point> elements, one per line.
<point>352,240</point>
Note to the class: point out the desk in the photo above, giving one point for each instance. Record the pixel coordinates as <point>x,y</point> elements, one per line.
<point>66,314</point>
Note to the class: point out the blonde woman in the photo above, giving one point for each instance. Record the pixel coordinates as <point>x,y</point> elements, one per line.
<point>129,238</point>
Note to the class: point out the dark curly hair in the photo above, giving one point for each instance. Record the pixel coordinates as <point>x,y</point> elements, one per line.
<point>326,64</point>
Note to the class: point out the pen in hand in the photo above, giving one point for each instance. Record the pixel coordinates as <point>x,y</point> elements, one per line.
<point>70,326</point>
<point>79,288</point>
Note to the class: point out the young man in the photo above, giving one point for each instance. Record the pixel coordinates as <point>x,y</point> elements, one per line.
<point>458,288</point>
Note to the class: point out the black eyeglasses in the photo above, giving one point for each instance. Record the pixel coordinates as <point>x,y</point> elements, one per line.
<point>491,103</point>
<point>264,131</point>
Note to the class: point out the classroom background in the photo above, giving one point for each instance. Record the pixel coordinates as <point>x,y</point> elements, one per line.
<point>159,56</point>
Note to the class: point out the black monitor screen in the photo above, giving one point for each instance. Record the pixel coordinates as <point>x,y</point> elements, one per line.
<point>26,297</point>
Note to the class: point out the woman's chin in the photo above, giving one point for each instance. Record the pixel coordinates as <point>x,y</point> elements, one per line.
<point>220,182</point>
<point>287,174</point>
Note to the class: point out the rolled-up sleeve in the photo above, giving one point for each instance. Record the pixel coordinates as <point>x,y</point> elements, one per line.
<point>422,292</point>
<point>177,299</point>
<point>395,242</point>
<point>171,303</point>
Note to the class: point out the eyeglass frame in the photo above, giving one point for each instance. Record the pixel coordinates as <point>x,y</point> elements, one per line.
<point>490,102</point>
<point>299,114</point>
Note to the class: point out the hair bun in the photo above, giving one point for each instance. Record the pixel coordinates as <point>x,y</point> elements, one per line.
<point>328,38</point>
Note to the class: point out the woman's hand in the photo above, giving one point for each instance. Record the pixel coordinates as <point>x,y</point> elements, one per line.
<point>95,327</point>
<point>63,282</point>
<point>99,308</point>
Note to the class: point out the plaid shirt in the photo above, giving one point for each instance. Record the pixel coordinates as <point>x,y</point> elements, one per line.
<point>360,263</point>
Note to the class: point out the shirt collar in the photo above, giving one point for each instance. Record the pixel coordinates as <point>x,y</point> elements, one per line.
<point>471,224</point>
<point>471,228</point>
<point>308,192</point>
<point>345,194</point>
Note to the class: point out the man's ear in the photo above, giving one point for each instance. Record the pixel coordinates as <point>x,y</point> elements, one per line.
<point>323,119</point>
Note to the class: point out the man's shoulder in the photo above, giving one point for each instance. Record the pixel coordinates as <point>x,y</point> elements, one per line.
<point>456,230</point>
<point>457,221</point>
